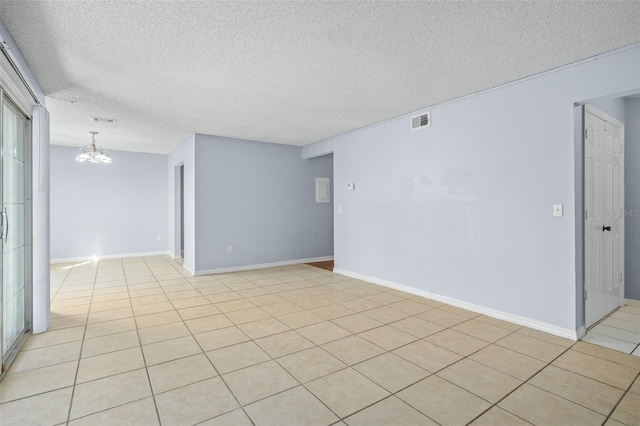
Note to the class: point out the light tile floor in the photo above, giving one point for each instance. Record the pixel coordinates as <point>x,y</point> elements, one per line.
<point>137,341</point>
<point>619,331</point>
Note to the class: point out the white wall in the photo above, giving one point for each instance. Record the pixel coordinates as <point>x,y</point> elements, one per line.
<point>107,209</point>
<point>462,210</point>
<point>40,219</point>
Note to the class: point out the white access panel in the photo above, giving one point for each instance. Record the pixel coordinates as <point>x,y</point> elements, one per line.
<point>323,190</point>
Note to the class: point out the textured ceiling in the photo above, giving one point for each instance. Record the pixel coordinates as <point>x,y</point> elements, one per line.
<point>287,72</point>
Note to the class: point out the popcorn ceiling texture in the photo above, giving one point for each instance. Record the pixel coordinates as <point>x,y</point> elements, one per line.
<point>287,72</point>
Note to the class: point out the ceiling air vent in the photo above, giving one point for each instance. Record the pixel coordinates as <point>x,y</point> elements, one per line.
<point>103,120</point>
<point>421,121</point>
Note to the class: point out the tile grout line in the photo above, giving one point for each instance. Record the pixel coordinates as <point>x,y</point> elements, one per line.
<point>612,315</point>
<point>300,384</point>
<point>99,378</point>
<point>592,333</point>
<point>382,325</point>
<point>435,373</point>
<point>75,380</point>
<point>519,386</point>
<point>210,362</point>
<point>325,290</point>
<point>391,394</point>
<point>52,297</point>
<point>304,385</point>
<point>354,334</point>
<point>469,355</point>
<point>144,358</point>
<point>597,357</point>
<point>550,363</point>
<point>44,366</point>
<point>627,391</point>
<point>347,366</point>
<point>271,358</point>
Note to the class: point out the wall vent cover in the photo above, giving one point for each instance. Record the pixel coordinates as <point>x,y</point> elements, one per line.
<point>421,121</point>
<point>111,121</point>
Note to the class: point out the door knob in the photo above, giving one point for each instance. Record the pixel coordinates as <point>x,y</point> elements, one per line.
<point>606,228</point>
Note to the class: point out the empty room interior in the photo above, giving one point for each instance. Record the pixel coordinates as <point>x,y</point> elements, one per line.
<point>320,213</point>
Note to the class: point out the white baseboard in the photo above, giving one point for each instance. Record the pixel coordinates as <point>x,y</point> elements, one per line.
<point>191,271</point>
<point>109,256</point>
<point>527,322</point>
<point>632,302</point>
<point>258,266</point>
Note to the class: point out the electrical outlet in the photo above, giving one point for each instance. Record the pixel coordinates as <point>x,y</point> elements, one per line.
<point>229,249</point>
<point>339,209</point>
<point>351,186</point>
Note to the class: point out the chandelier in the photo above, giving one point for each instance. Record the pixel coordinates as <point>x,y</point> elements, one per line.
<point>93,154</point>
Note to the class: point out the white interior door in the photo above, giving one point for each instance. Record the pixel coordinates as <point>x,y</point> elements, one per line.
<point>604,214</point>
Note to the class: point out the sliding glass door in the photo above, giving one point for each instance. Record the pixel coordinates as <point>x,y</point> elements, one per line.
<point>14,228</point>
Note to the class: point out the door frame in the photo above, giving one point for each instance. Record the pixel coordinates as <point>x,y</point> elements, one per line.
<point>578,130</point>
<point>591,109</point>
<point>28,237</point>
<point>178,229</point>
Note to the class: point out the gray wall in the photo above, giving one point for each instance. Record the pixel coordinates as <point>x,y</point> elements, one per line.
<point>632,199</point>
<point>107,209</point>
<point>259,198</point>
<point>614,107</point>
<point>464,209</point>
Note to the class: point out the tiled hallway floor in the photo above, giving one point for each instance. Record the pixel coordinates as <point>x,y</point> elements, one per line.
<point>136,341</point>
<point>619,331</point>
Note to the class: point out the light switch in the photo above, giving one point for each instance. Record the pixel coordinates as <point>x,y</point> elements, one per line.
<point>557,210</point>
<point>339,209</point>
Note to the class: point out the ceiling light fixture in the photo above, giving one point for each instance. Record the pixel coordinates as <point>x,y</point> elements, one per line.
<point>93,154</point>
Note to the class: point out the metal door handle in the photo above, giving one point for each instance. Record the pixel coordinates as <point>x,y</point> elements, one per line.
<point>5,229</point>
<point>606,228</point>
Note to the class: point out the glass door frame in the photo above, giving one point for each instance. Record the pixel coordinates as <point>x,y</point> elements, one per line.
<point>14,349</point>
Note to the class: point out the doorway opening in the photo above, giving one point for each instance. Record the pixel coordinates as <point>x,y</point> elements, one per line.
<point>608,212</point>
<point>179,212</point>
<point>603,214</point>
<point>324,211</point>
<point>328,265</point>
<point>182,211</point>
